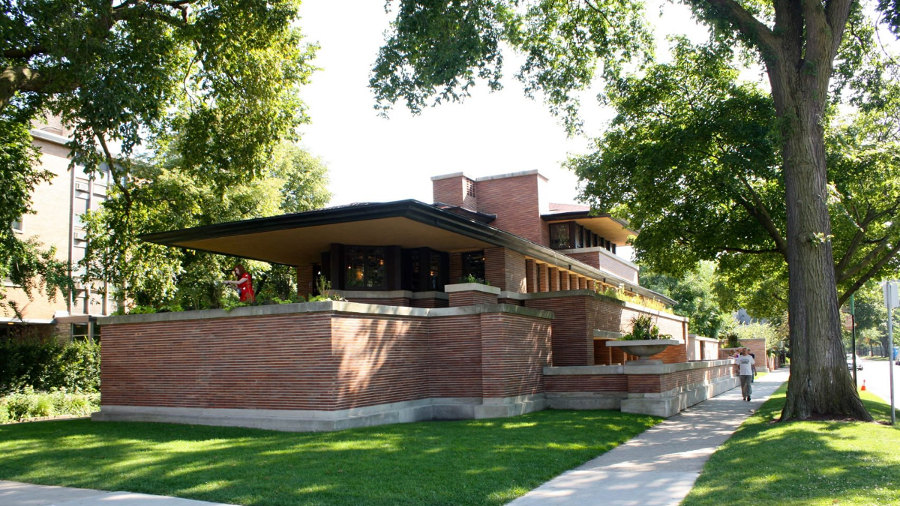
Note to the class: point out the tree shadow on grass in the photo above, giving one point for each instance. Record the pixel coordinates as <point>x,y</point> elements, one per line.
<point>462,462</point>
<point>809,462</point>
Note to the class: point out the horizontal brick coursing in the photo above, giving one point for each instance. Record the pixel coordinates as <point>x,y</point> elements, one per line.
<point>321,361</point>
<point>515,202</point>
<point>586,383</point>
<point>577,316</point>
<point>656,383</point>
<point>471,298</point>
<point>515,352</point>
<point>275,362</point>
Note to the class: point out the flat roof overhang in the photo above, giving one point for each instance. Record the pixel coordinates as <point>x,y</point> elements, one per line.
<point>300,239</point>
<point>612,229</point>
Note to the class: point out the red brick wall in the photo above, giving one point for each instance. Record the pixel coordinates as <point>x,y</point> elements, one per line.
<point>221,363</point>
<point>452,191</point>
<point>515,202</point>
<point>455,267</point>
<point>378,360</point>
<point>495,267</point>
<point>515,351</point>
<point>573,334</point>
<point>656,383</point>
<point>430,302</point>
<point>577,316</point>
<point>305,280</point>
<point>471,297</point>
<point>505,269</point>
<point>321,361</point>
<point>454,356</point>
<point>586,383</point>
<point>758,348</point>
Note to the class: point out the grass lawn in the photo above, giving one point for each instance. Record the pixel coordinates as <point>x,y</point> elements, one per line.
<point>820,463</point>
<point>479,462</point>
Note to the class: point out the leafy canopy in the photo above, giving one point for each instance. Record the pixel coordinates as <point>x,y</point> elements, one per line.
<point>215,81</point>
<point>692,160</point>
<point>166,195</point>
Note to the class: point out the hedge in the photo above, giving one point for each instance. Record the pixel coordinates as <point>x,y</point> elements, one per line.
<point>73,366</point>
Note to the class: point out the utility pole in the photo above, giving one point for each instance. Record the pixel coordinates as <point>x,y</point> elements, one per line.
<point>853,338</point>
<point>891,300</point>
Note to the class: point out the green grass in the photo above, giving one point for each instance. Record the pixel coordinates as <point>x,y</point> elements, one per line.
<point>479,462</point>
<point>798,463</point>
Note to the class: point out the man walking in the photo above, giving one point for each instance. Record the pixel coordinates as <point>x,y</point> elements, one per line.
<point>745,364</point>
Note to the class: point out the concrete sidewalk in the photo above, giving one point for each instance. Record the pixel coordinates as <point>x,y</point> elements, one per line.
<point>24,494</point>
<point>660,465</point>
<point>657,467</point>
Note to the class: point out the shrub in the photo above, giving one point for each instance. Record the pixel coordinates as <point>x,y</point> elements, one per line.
<point>27,403</point>
<point>642,328</point>
<point>45,366</point>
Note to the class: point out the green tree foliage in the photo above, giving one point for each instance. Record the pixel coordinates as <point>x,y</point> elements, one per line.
<point>801,47</point>
<point>74,366</point>
<point>215,82</point>
<point>695,297</point>
<point>692,161</point>
<point>165,196</point>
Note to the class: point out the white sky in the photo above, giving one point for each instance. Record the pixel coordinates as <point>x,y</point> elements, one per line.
<point>372,159</point>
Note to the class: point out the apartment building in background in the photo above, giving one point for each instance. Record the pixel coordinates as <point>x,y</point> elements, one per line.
<point>58,206</point>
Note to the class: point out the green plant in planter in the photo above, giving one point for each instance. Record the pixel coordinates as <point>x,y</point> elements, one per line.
<point>731,340</point>
<point>470,278</point>
<point>642,328</point>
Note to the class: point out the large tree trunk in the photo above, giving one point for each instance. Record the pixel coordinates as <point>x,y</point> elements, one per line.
<point>820,384</point>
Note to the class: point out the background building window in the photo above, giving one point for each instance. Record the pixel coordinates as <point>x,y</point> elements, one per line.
<point>17,225</point>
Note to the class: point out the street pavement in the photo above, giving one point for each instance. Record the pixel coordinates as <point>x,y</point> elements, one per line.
<point>877,379</point>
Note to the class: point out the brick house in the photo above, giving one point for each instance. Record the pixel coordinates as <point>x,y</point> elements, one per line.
<point>416,338</point>
<point>58,206</point>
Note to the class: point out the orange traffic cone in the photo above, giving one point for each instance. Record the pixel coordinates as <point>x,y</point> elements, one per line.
<point>864,385</point>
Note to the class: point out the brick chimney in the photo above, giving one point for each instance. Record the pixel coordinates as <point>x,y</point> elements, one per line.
<point>455,190</point>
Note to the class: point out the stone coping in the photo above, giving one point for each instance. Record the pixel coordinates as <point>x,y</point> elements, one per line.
<point>701,338</point>
<point>471,287</point>
<point>326,306</point>
<point>587,370</point>
<point>607,334</point>
<point>391,294</point>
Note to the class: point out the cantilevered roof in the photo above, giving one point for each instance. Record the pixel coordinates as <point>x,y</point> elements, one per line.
<point>612,229</point>
<point>300,238</point>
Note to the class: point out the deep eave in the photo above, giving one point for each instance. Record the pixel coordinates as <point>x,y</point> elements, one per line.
<point>612,229</point>
<point>300,238</point>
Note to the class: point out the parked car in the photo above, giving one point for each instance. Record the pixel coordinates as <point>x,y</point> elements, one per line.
<point>850,362</point>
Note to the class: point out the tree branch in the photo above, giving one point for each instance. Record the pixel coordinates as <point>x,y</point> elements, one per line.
<point>24,53</point>
<point>844,275</point>
<point>751,251</point>
<point>744,22</point>
<point>759,210</point>
<point>870,273</point>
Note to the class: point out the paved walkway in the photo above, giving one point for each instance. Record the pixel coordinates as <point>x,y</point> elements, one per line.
<point>23,494</point>
<point>657,467</point>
